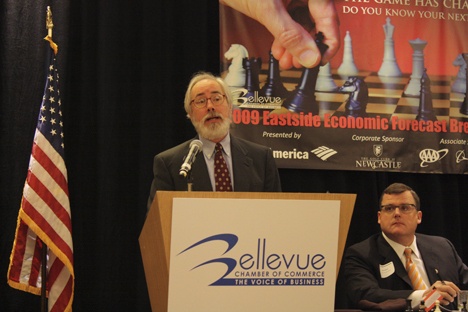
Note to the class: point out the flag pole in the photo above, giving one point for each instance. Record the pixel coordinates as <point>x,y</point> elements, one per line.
<point>44,278</point>
<point>44,307</point>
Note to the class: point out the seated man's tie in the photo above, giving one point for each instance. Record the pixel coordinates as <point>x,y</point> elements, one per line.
<point>414,275</point>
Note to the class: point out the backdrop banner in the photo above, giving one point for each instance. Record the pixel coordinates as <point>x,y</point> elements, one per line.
<point>392,99</point>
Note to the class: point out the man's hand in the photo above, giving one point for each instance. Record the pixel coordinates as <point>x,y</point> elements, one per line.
<point>294,42</point>
<point>447,290</point>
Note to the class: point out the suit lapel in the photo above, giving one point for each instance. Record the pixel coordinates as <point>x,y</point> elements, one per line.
<point>201,179</point>
<point>242,165</point>
<point>389,255</point>
<point>431,261</point>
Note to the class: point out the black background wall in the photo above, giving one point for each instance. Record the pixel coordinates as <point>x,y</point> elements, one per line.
<point>124,68</point>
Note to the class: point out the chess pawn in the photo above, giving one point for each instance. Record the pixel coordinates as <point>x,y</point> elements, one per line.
<point>425,111</point>
<point>437,306</point>
<point>252,72</point>
<point>347,67</point>
<point>273,86</point>
<point>303,97</point>
<point>325,82</point>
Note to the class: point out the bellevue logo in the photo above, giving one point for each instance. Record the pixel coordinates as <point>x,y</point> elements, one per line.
<point>244,99</point>
<point>262,267</point>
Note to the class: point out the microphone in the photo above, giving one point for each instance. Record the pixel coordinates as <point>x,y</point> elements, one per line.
<point>195,147</point>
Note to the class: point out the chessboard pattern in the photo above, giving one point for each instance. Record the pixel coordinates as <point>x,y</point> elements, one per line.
<point>386,95</point>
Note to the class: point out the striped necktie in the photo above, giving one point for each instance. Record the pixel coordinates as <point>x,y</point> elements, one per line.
<point>413,273</point>
<point>221,172</point>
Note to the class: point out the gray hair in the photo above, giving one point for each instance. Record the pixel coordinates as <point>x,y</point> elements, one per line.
<point>202,76</point>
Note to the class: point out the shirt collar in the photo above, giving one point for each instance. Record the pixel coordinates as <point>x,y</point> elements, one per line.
<point>209,146</point>
<point>400,249</point>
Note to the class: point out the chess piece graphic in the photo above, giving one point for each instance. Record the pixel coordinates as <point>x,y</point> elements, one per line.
<point>358,96</point>
<point>273,86</point>
<point>425,111</point>
<point>347,67</point>
<point>325,81</point>
<point>235,77</point>
<point>414,85</point>
<point>252,70</point>
<point>464,105</point>
<point>389,66</point>
<point>459,85</point>
<point>303,97</point>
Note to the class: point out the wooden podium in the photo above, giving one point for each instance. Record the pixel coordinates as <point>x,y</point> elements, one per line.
<point>155,237</point>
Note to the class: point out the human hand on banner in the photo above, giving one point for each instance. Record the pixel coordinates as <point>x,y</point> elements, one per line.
<point>294,43</point>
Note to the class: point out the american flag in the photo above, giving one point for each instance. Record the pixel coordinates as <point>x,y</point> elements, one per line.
<point>44,216</point>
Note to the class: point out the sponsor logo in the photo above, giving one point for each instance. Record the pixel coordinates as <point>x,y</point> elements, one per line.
<point>378,162</point>
<point>294,154</point>
<point>242,99</point>
<point>324,152</point>
<point>429,156</point>
<point>262,266</point>
<point>460,156</point>
<point>378,150</point>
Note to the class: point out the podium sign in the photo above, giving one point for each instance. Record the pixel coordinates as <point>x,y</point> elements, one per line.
<point>156,236</point>
<point>253,254</point>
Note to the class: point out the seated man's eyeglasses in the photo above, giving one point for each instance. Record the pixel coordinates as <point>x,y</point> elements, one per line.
<point>404,208</point>
<point>201,101</point>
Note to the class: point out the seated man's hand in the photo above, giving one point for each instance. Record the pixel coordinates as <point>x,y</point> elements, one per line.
<point>447,290</point>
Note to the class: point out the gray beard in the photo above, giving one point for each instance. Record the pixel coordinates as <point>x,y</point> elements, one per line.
<point>212,131</point>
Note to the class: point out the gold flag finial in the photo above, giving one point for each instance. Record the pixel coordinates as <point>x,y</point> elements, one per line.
<point>49,26</point>
<point>49,23</point>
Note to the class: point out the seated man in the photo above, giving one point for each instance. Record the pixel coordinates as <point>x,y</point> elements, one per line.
<point>375,269</point>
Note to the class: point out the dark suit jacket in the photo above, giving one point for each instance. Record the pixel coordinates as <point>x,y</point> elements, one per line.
<point>362,263</point>
<point>253,165</point>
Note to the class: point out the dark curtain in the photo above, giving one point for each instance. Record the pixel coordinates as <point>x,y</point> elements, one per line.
<point>124,68</point>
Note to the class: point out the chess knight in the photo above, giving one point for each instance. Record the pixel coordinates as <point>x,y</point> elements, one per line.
<point>358,96</point>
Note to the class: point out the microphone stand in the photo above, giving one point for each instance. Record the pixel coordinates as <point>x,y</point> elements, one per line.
<point>189,181</point>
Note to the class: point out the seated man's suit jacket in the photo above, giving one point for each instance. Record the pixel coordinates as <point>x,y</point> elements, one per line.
<point>374,272</point>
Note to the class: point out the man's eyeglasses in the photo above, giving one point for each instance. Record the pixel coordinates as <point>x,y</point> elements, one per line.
<point>201,101</point>
<point>404,208</point>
